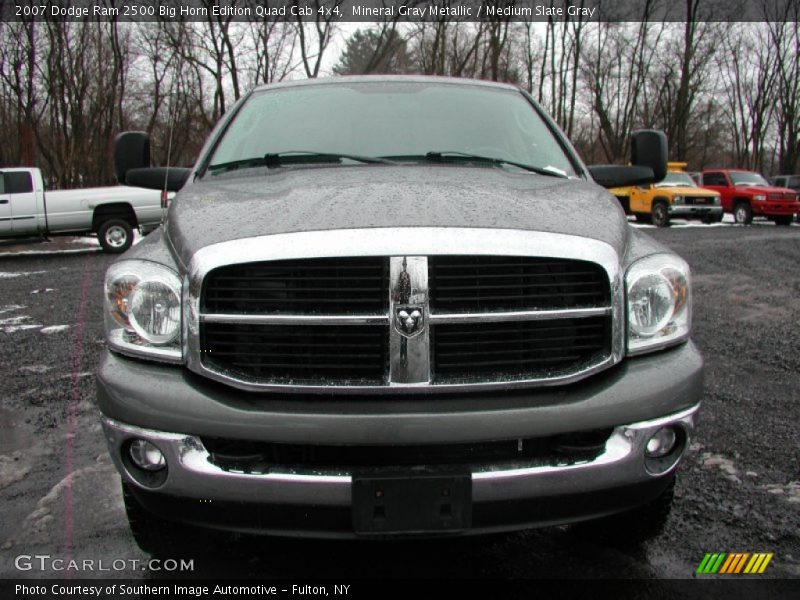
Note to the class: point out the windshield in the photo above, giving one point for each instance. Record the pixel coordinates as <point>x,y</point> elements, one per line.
<point>745,178</point>
<point>400,120</point>
<point>676,180</point>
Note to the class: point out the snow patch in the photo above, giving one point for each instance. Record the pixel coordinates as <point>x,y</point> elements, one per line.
<point>7,275</point>
<point>55,328</point>
<point>18,323</point>
<point>43,291</point>
<point>47,252</point>
<point>78,376</point>
<point>729,470</point>
<point>12,469</point>
<point>89,240</point>
<point>36,368</point>
<point>790,492</point>
<point>10,308</point>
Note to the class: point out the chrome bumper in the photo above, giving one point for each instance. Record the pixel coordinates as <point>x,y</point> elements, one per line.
<point>191,474</point>
<point>690,210</point>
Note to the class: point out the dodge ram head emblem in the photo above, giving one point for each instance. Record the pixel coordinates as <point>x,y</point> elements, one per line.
<point>408,320</point>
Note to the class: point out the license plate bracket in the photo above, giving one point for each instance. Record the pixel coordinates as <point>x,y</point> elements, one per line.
<point>411,502</point>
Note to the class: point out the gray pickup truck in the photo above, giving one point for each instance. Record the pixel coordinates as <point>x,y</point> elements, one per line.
<point>396,306</point>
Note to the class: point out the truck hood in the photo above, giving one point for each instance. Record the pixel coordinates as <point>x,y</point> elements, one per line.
<point>260,203</point>
<point>685,190</point>
<point>763,189</point>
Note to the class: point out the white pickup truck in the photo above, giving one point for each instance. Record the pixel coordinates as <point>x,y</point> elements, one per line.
<point>110,212</point>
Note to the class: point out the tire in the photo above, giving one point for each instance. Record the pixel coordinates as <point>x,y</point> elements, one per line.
<point>742,213</point>
<point>642,218</point>
<point>660,215</point>
<point>632,526</point>
<point>156,536</point>
<point>115,236</point>
<point>783,220</point>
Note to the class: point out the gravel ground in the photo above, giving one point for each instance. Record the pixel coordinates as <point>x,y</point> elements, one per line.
<point>739,490</point>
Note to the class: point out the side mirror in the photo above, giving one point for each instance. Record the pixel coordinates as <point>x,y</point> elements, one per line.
<point>648,162</point>
<point>158,178</point>
<point>131,151</point>
<point>649,149</point>
<point>132,164</point>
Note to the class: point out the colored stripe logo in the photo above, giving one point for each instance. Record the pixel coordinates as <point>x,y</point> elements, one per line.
<point>723,563</point>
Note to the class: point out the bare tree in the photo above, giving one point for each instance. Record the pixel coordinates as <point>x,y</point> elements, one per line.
<point>784,37</point>
<point>447,48</point>
<point>749,79</point>
<point>273,44</point>
<point>19,94</point>
<point>312,48</point>
<point>614,70</point>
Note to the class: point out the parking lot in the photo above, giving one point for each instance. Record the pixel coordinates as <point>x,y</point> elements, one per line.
<point>739,490</point>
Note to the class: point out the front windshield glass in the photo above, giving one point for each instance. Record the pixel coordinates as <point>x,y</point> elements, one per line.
<point>676,180</point>
<point>392,119</point>
<point>739,178</point>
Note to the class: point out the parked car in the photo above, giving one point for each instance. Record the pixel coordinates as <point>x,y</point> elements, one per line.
<point>786,181</point>
<point>27,210</point>
<point>396,306</point>
<point>677,195</point>
<point>746,194</point>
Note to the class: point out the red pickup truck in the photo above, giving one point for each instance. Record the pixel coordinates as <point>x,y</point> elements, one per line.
<point>746,194</point>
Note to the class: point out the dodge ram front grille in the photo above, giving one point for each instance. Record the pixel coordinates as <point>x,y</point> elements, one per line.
<point>516,349</point>
<point>478,283</point>
<point>323,286</point>
<point>316,355</point>
<point>406,323</point>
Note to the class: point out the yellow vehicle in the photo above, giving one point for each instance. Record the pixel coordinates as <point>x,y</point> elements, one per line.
<point>677,195</point>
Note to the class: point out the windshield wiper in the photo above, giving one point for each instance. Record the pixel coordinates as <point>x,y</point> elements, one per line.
<point>294,157</point>
<point>443,155</point>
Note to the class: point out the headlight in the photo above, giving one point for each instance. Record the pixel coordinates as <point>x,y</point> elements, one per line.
<point>716,201</point>
<point>143,310</point>
<point>759,197</point>
<point>659,302</point>
<point>677,200</point>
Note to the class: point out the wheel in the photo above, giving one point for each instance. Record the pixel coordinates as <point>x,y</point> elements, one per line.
<point>633,526</point>
<point>115,236</point>
<point>743,214</point>
<point>660,215</point>
<point>783,220</point>
<point>642,218</point>
<point>159,537</point>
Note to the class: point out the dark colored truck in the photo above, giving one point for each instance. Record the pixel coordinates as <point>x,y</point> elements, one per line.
<point>396,306</point>
<point>747,194</point>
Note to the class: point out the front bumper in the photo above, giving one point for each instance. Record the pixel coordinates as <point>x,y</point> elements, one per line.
<point>692,211</point>
<point>174,409</point>
<point>775,209</point>
<point>613,481</point>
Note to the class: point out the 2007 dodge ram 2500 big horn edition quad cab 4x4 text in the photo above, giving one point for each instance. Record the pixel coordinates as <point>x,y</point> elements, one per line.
<point>26,210</point>
<point>391,306</point>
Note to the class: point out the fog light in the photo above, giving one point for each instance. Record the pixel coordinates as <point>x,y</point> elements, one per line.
<point>147,456</point>
<point>662,443</point>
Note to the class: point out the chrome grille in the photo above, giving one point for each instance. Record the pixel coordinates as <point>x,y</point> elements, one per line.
<point>492,283</point>
<point>517,349</point>
<point>698,200</point>
<point>304,355</point>
<point>433,322</point>
<point>323,286</point>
